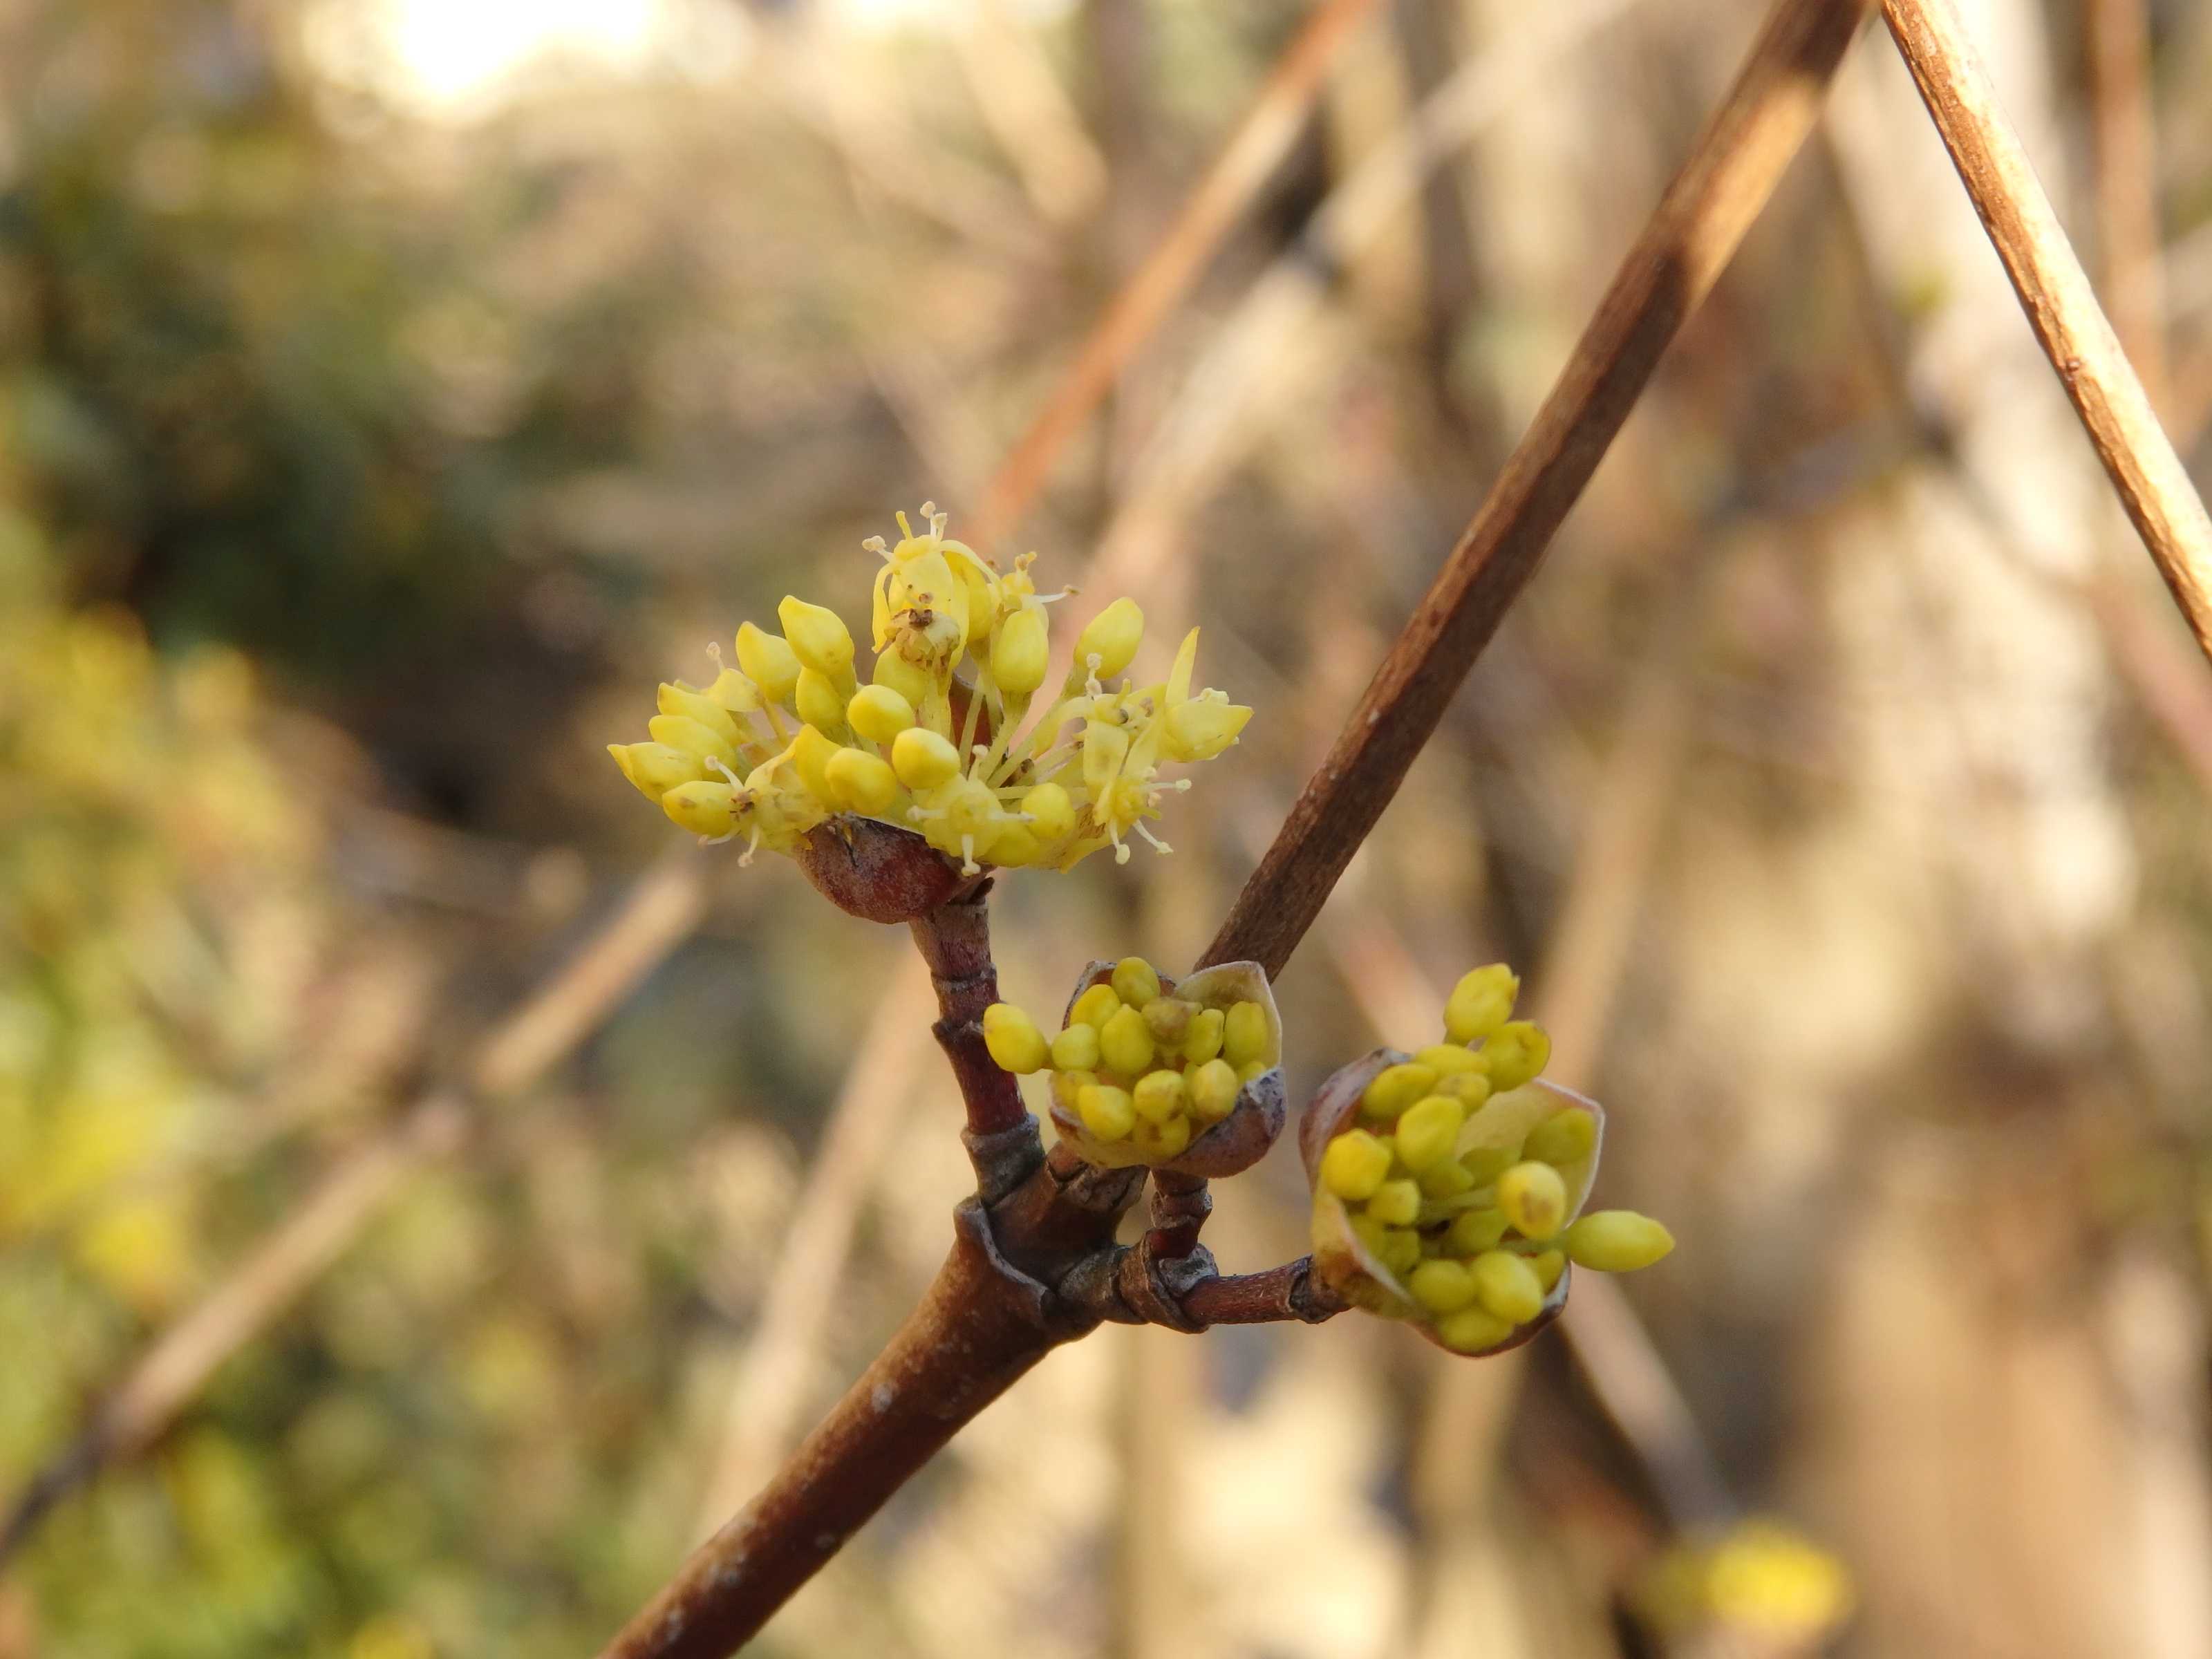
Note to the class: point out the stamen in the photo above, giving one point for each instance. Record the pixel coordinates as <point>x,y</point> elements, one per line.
<point>1152,838</point>
<point>967,864</point>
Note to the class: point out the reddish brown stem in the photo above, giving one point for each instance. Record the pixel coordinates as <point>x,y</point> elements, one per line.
<point>1733,170</point>
<point>955,940</point>
<point>1289,1291</point>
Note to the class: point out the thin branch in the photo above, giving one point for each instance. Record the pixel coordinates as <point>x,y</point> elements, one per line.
<point>2061,306</point>
<point>1732,171</point>
<point>2117,39</point>
<point>1260,143</point>
<point>955,940</point>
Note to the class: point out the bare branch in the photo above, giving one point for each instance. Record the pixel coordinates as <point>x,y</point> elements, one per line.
<point>2061,306</point>
<point>1732,171</point>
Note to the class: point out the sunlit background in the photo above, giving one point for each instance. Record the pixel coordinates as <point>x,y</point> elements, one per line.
<point>392,392</point>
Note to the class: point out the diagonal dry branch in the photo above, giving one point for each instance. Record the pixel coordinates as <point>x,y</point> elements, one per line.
<point>1010,1292</point>
<point>2061,308</point>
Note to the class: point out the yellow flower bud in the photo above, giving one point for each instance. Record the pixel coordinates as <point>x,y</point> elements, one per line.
<point>1200,729</point>
<point>1013,846</point>
<point>1441,1287</point>
<point>1481,1002</point>
<point>1470,1089</point>
<point>1106,1111</point>
<point>1020,652</point>
<point>1486,1163</point>
<point>1159,1096</point>
<point>1401,1249</point>
<point>704,809</point>
<point>1125,1043</point>
<point>922,759</point>
<point>1564,1138</point>
<point>1549,1266</point>
<point>698,706</point>
<point>1474,1231</point>
<point>1428,1131</point>
<point>1354,1165</point>
<point>1534,1199</point>
<point>861,782</point>
<point>1396,1203</point>
<point>1396,1088</point>
<point>811,753</point>
<point>1214,1091</point>
<point>1168,1018</point>
<point>1471,1329</point>
<point>1617,1241</point>
<point>1013,1039</point>
<point>1252,1071</point>
<point>878,714</point>
<point>1203,1040</point>
<point>820,704</point>
<point>734,692</point>
<point>1052,815</point>
<point>1446,1180</point>
<point>1244,1037</point>
<point>767,658</point>
<point>1104,748</point>
<point>655,768</point>
<point>1518,1050</point>
<point>1168,1139</point>
<point>1450,1059</point>
<point>911,680</point>
<point>1135,981</point>
<point>1112,637</point>
<point>1095,1007</point>
<point>682,731</point>
<point>1067,1087</point>
<point>1076,1049</point>
<point>817,638</point>
<point>1507,1286</point>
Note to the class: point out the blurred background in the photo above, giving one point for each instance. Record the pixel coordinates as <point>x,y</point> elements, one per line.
<point>431,1195</point>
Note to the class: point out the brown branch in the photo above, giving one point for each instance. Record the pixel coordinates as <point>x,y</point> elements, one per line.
<point>1731,171</point>
<point>2118,57</point>
<point>955,940</point>
<point>1160,284</point>
<point>2061,307</point>
<point>1289,1291</point>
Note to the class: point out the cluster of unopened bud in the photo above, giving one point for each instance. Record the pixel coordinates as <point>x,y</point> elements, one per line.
<point>1136,1065</point>
<point>935,742</point>
<point>1459,1174</point>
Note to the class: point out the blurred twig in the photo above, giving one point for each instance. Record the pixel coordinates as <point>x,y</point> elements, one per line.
<point>660,910</point>
<point>2118,37</point>
<point>2060,305</point>
<point>1736,162</point>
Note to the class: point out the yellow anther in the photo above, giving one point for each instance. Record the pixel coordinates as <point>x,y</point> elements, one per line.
<point>1125,1043</point>
<point>1076,1049</point>
<point>1396,1203</point>
<point>1244,1035</point>
<point>704,809</point>
<point>769,661</point>
<point>1203,1040</point>
<point>655,768</point>
<point>1135,981</point>
<point>1471,1329</point>
<point>1213,1089</point>
<point>1095,1007</point>
<point>1507,1286</point>
<point>1013,1039</point>
<point>1474,1231</point>
<point>1564,1137</point>
<point>923,760</point>
<point>1519,1050</point>
<point>1106,1111</point>
<point>1481,1002</point>
<point>1534,1199</point>
<point>1052,814</point>
<point>1020,652</point>
<point>819,702</point>
<point>1354,1165</point>
<point>1549,1266</point>
<point>682,731</point>
<point>1450,1059</point>
<point>1428,1130</point>
<point>879,713</point>
<point>1441,1287</point>
<point>1168,1019</point>
<point>698,706</point>
<point>1394,1089</point>
<point>1617,1241</point>
<point>1200,729</point>
<point>1160,1096</point>
<point>860,782</point>
<point>1165,1139</point>
<point>817,638</point>
<point>1112,638</point>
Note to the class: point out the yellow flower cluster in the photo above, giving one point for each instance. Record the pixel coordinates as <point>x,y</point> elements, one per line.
<point>1449,1194</point>
<point>1139,1070</point>
<point>789,737</point>
<point>1759,1582</point>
